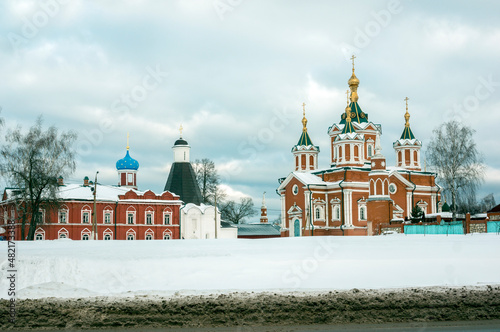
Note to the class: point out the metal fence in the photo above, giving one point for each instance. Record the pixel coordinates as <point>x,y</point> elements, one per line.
<point>494,227</point>
<point>448,228</point>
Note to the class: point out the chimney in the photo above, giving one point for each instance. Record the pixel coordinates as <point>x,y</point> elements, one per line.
<point>86,181</point>
<point>60,181</point>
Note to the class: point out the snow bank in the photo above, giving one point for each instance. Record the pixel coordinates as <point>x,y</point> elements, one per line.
<point>70,269</point>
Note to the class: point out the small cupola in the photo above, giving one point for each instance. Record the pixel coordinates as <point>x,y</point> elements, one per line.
<point>127,169</point>
<point>181,149</point>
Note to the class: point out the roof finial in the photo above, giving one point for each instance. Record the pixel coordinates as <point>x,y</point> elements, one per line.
<point>264,199</point>
<point>353,83</point>
<point>128,136</point>
<point>304,120</point>
<point>407,115</point>
<point>352,59</point>
<point>180,130</point>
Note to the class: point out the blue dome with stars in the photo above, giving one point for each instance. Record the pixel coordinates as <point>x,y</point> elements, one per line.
<point>127,163</point>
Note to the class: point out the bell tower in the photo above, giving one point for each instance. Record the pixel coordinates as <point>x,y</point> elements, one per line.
<point>407,147</point>
<point>305,152</point>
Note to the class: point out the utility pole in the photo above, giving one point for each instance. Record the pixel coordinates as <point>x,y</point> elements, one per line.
<point>215,217</point>
<point>93,234</point>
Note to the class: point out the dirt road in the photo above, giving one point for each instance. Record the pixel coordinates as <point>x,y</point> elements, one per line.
<point>248,311</point>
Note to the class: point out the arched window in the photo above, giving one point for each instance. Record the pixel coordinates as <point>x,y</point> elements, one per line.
<point>85,237</point>
<point>370,152</point>
<point>39,237</point>
<point>362,214</point>
<point>166,236</point>
<point>62,236</point>
<point>107,237</point>
<point>318,213</point>
<point>86,214</point>
<point>63,214</point>
<point>130,237</point>
<point>149,237</point>
<point>167,216</point>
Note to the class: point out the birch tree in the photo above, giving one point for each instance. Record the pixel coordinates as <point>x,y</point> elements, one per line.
<point>452,151</point>
<point>31,163</point>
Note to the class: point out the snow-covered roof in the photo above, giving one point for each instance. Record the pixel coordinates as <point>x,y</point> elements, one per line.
<point>403,142</point>
<point>85,193</point>
<point>308,178</point>
<point>80,192</point>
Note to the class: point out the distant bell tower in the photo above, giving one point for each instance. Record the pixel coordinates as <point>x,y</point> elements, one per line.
<point>127,170</point>
<point>305,152</point>
<point>408,147</point>
<point>263,210</point>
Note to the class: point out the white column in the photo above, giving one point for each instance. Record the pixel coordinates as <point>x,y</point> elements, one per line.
<point>408,203</point>
<point>283,212</point>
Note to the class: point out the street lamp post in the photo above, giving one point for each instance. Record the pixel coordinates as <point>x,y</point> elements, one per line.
<point>93,234</point>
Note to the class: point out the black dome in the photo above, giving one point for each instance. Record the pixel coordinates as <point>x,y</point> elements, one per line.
<point>180,141</point>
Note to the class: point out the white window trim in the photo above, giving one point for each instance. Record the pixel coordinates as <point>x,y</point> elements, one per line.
<point>107,232</point>
<point>110,217</point>
<point>130,232</point>
<point>86,208</point>
<point>41,231</point>
<point>167,232</point>
<point>152,213</point>
<point>60,213</point>
<point>134,221</point>
<point>85,231</point>
<point>167,213</point>
<point>63,231</point>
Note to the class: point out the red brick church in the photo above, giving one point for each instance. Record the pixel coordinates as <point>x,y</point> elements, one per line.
<point>358,190</point>
<point>122,212</point>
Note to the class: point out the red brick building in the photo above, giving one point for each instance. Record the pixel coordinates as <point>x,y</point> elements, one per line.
<point>122,212</point>
<point>358,190</point>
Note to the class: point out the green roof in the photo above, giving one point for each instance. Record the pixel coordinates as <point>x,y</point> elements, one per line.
<point>348,128</point>
<point>407,133</point>
<point>357,115</point>
<point>305,139</point>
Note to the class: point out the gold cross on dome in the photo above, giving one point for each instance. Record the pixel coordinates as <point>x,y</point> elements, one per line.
<point>352,59</point>
<point>128,136</point>
<point>304,108</point>
<point>406,99</point>
<point>180,130</point>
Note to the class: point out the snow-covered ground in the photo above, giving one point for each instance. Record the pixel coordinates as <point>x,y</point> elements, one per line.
<point>70,269</point>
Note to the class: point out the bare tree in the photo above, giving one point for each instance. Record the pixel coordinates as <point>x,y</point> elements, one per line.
<point>487,203</point>
<point>208,181</point>
<point>453,152</point>
<point>32,162</point>
<point>237,212</point>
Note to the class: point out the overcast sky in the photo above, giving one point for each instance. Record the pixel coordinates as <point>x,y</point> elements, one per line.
<point>235,73</point>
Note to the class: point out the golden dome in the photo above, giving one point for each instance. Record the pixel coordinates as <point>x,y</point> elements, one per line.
<point>353,80</point>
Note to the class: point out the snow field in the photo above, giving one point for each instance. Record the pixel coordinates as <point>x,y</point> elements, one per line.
<point>73,269</point>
